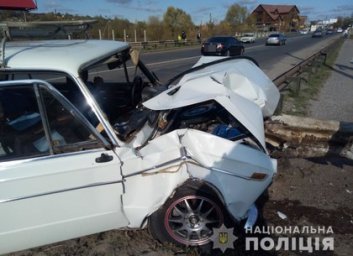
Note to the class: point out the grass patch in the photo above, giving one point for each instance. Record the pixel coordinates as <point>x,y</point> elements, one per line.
<point>296,98</point>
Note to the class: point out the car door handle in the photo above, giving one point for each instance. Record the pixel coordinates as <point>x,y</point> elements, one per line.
<point>104,158</point>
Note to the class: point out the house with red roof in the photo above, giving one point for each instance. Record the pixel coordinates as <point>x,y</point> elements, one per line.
<point>276,17</point>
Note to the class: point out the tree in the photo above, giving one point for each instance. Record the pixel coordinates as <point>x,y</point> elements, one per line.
<point>176,20</point>
<point>154,28</point>
<point>236,15</point>
<point>140,27</point>
<point>224,28</point>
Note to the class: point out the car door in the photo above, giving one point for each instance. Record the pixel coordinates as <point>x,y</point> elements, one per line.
<point>235,47</point>
<point>59,179</point>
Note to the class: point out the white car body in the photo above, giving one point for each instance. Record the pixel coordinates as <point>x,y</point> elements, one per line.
<point>239,79</point>
<point>248,38</point>
<point>120,183</point>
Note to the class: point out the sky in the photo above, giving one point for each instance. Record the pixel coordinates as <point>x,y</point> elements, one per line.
<point>200,10</point>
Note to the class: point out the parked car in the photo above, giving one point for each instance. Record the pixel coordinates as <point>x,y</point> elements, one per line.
<point>248,38</point>
<point>90,144</point>
<point>222,46</point>
<point>303,31</point>
<point>317,33</point>
<point>276,39</point>
<point>339,30</point>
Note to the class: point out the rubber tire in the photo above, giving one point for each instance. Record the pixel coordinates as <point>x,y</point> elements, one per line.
<point>156,221</point>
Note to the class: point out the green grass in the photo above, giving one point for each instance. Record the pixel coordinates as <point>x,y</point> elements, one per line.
<point>314,78</point>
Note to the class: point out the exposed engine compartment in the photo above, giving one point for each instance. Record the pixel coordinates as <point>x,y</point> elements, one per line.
<point>209,117</point>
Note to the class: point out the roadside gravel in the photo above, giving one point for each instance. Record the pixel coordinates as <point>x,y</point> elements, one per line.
<point>335,100</point>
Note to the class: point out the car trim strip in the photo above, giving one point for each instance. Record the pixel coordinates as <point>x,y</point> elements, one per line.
<point>188,159</point>
<point>60,191</point>
<point>183,157</point>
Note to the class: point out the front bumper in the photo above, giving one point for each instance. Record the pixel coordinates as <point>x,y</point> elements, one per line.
<point>253,214</point>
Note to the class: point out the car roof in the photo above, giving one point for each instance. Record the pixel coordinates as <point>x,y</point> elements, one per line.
<point>61,55</point>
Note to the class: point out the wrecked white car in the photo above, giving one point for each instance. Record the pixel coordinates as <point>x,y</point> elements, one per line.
<point>92,141</point>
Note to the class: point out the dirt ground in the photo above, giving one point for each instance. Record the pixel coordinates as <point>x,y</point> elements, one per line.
<point>309,192</point>
<point>314,192</point>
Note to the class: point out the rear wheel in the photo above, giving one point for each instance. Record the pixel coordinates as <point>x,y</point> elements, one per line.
<point>188,218</point>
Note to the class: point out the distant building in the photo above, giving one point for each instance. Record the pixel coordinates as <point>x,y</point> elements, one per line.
<point>327,22</point>
<point>303,21</point>
<point>276,17</point>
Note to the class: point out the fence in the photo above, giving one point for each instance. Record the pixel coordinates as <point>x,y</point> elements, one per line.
<point>146,44</point>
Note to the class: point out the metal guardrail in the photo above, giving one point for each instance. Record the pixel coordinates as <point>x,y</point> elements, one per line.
<point>163,44</point>
<point>297,136</point>
<point>177,43</point>
<point>293,77</point>
<point>284,79</point>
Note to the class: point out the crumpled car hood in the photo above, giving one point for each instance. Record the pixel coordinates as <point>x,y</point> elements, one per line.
<point>243,77</point>
<point>189,93</point>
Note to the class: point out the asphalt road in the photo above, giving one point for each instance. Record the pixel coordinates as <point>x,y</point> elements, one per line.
<point>167,64</point>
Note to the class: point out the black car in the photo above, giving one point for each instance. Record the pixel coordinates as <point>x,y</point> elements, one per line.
<point>222,46</point>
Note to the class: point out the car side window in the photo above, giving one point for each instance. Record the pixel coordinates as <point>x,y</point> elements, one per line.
<point>35,123</point>
<point>21,126</point>
<point>67,132</point>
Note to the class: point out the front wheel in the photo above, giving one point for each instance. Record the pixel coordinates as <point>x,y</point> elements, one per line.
<point>188,218</point>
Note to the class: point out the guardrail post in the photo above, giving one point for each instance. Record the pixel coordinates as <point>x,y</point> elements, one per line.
<point>297,88</point>
<point>279,108</point>
<point>324,54</point>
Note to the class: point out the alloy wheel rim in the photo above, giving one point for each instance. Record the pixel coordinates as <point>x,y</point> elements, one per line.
<point>190,220</point>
